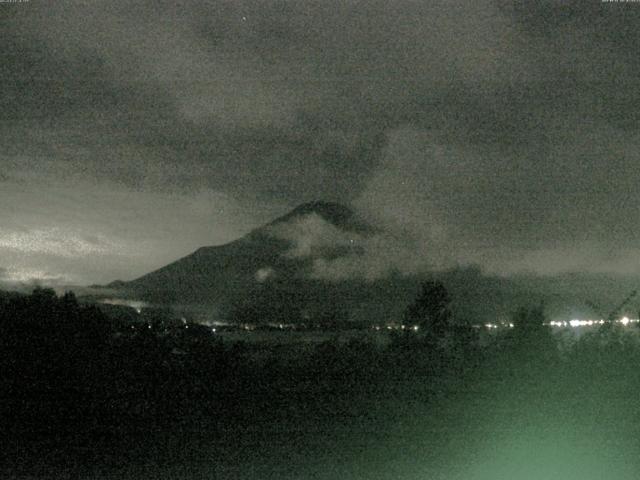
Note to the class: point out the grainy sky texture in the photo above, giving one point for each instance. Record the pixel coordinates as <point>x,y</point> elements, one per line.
<point>503,133</point>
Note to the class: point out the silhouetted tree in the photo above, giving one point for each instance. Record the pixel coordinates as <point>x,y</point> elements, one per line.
<point>531,336</point>
<point>529,322</point>
<point>431,310</point>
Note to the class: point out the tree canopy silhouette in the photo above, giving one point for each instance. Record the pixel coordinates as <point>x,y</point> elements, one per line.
<point>531,336</point>
<point>431,310</point>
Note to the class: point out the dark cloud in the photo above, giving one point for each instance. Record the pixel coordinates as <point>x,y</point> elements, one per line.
<point>489,131</point>
<point>293,87</point>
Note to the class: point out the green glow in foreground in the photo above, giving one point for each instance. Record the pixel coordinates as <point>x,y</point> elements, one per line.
<point>512,433</point>
<point>549,456</point>
<point>552,448</point>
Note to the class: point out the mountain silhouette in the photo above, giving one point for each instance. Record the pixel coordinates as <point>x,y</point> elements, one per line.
<point>259,277</point>
<point>336,214</point>
<point>267,275</point>
<point>260,262</point>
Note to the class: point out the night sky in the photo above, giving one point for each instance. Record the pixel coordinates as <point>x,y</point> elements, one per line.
<point>501,133</point>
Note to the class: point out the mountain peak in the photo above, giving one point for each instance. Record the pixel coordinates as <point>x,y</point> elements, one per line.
<point>325,209</point>
<point>335,213</point>
<point>219,274</point>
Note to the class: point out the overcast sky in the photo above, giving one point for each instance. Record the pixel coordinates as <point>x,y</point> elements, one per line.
<point>503,133</point>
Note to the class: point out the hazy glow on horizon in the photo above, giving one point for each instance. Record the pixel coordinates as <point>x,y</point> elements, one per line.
<point>23,276</point>
<point>111,232</point>
<point>55,241</point>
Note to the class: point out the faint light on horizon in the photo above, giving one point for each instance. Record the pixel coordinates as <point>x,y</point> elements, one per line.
<point>137,305</point>
<point>55,241</point>
<point>28,276</point>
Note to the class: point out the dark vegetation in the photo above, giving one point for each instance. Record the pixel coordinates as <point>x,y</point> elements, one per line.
<point>85,394</point>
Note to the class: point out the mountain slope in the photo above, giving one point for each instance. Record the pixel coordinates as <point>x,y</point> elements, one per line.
<point>212,275</point>
<point>267,275</point>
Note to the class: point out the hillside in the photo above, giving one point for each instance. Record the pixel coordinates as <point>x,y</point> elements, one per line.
<point>267,275</point>
<point>263,261</point>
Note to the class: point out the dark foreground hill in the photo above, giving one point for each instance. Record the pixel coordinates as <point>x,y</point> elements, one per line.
<point>86,397</point>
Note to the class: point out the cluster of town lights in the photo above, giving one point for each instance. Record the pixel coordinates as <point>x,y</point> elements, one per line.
<point>588,323</point>
<point>568,323</point>
<point>489,326</point>
<point>415,328</point>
